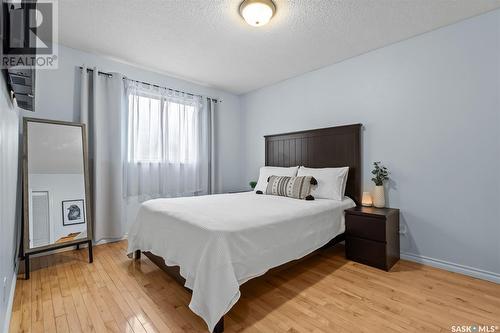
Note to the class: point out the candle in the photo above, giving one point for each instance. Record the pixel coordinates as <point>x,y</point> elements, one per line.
<point>367,199</point>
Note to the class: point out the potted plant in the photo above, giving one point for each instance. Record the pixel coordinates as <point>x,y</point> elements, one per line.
<point>380,174</point>
<point>252,184</point>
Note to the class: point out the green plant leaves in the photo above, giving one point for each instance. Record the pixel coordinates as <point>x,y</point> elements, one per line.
<point>380,172</point>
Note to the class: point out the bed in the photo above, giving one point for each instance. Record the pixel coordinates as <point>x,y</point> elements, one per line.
<point>218,242</point>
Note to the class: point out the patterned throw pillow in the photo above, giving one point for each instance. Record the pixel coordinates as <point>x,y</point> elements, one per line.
<point>293,187</point>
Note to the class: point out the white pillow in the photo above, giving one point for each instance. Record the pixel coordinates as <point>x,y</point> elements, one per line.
<point>331,181</point>
<point>266,172</point>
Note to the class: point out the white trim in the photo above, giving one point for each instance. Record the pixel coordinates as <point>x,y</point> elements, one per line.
<point>457,268</point>
<point>110,240</point>
<point>10,303</point>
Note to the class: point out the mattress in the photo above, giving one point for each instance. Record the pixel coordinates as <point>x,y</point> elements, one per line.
<point>221,241</point>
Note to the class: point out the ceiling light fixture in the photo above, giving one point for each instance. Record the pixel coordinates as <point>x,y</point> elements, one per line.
<point>257,12</point>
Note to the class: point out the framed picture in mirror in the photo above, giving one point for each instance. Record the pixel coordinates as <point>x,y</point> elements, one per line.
<point>55,179</point>
<point>73,212</point>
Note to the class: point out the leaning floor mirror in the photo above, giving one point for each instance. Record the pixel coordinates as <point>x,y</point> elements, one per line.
<point>56,195</point>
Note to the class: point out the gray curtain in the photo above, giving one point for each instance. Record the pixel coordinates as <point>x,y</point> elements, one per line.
<point>210,107</point>
<point>102,110</point>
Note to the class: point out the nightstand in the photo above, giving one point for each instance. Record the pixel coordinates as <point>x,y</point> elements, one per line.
<point>372,236</point>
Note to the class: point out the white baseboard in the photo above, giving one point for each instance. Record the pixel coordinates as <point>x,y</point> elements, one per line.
<point>110,240</point>
<point>10,303</point>
<point>452,267</point>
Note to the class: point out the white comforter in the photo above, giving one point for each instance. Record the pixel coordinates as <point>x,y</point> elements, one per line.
<point>221,241</point>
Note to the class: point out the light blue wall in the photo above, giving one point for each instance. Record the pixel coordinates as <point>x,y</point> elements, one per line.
<point>431,112</point>
<point>58,97</point>
<point>9,203</point>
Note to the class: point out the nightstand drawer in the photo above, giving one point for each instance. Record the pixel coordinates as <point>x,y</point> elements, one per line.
<point>365,227</point>
<point>366,251</point>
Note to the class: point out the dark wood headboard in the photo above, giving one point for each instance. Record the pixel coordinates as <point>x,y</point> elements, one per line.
<point>320,148</point>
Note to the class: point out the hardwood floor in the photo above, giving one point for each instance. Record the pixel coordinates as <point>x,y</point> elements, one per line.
<point>325,293</point>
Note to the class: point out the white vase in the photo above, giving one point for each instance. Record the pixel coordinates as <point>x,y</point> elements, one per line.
<point>379,196</point>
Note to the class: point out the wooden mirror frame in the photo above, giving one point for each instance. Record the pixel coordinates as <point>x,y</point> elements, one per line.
<point>88,209</point>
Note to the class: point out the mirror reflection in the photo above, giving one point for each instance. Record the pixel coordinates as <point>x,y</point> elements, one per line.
<point>56,184</point>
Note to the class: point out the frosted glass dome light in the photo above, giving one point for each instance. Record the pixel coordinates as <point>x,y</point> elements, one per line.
<point>257,12</point>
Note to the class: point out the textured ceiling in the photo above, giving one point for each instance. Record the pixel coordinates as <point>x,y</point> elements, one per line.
<point>207,42</point>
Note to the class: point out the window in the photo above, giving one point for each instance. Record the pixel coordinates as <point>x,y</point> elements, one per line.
<point>162,129</point>
<point>168,143</point>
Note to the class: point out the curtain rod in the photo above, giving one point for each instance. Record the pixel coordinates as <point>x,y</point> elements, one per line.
<point>217,100</point>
